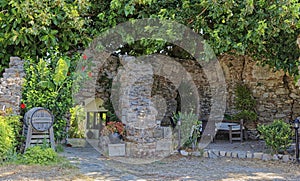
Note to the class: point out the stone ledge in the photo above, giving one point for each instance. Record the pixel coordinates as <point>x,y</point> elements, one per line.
<point>213,153</point>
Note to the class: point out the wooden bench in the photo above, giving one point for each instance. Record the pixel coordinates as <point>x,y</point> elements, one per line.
<point>236,131</point>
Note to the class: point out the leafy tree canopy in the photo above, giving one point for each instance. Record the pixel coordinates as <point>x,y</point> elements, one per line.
<point>32,27</point>
<point>264,30</point>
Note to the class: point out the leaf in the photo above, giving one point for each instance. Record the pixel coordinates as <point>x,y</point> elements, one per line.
<point>61,72</point>
<point>46,84</point>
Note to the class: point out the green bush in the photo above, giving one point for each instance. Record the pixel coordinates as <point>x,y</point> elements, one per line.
<point>276,135</point>
<point>76,122</point>
<point>245,104</point>
<point>16,125</point>
<point>7,138</point>
<point>49,83</point>
<point>39,155</point>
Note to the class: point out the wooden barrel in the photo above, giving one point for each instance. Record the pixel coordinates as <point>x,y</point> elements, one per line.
<point>39,118</point>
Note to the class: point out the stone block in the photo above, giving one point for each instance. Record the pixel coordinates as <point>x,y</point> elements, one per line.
<point>257,155</point>
<point>228,154</point>
<point>216,152</point>
<point>197,153</point>
<point>205,154</point>
<point>167,132</point>
<point>158,133</point>
<point>249,155</point>
<point>213,153</point>
<point>286,158</point>
<point>275,157</point>
<point>163,145</point>
<point>234,154</point>
<point>241,154</point>
<point>266,157</point>
<point>223,153</point>
<point>116,149</point>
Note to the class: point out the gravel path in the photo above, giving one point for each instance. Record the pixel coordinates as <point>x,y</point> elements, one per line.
<point>91,165</point>
<point>97,167</point>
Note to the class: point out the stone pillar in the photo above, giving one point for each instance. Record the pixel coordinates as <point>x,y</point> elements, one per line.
<point>11,85</point>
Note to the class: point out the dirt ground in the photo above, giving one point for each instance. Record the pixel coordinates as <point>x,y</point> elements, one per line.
<point>26,172</point>
<point>88,164</point>
<point>172,168</point>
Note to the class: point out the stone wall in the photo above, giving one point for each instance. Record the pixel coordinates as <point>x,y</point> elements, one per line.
<point>274,91</point>
<point>11,85</point>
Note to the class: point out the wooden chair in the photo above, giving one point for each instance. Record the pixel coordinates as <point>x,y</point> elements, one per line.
<point>237,132</point>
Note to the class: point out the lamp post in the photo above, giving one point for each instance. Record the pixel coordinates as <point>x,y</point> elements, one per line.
<point>179,133</point>
<point>296,126</point>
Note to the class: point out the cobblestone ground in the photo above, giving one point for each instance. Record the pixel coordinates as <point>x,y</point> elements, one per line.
<point>176,167</point>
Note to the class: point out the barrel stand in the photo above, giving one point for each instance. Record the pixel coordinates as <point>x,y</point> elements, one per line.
<point>34,137</point>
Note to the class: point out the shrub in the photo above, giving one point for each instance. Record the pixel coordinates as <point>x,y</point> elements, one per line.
<point>244,104</point>
<point>77,122</point>
<point>7,138</point>
<point>189,128</point>
<point>39,155</point>
<point>276,135</point>
<point>49,83</point>
<point>16,125</point>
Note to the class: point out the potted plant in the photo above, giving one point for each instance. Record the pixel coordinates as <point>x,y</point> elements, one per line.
<point>115,130</point>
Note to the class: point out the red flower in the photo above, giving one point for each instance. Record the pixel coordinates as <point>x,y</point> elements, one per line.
<point>90,74</point>
<point>84,57</point>
<point>116,127</point>
<point>83,68</point>
<point>23,106</point>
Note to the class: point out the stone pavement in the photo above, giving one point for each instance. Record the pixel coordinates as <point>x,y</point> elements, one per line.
<point>92,164</point>
<point>176,167</point>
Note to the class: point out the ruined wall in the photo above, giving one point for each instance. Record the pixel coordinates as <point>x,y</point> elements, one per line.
<point>11,85</point>
<point>275,92</point>
<point>164,91</point>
